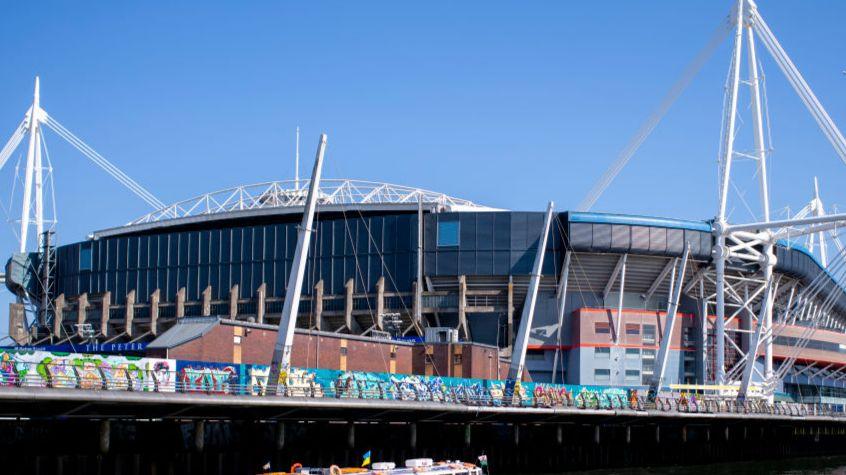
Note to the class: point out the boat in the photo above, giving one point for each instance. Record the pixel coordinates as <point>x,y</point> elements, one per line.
<point>419,466</point>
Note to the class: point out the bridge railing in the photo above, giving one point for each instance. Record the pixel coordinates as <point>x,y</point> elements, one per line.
<point>412,388</point>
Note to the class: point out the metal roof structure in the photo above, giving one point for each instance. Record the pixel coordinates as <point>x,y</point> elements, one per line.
<point>292,194</point>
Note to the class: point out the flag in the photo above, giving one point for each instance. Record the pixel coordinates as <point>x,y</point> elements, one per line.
<point>365,459</point>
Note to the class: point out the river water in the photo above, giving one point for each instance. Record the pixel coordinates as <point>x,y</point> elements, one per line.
<point>801,466</point>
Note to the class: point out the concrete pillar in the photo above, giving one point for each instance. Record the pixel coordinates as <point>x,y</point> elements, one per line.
<point>350,435</point>
<point>468,435</point>
<point>130,312</point>
<point>318,305</point>
<point>348,304</point>
<point>233,302</point>
<point>559,435</point>
<point>745,434</point>
<point>708,434</point>
<point>58,315</point>
<point>180,302</point>
<point>199,435</point>
<point>207,301</point>
<point>726,433</point>
<point>280,435</point>
<point>628,434</point>
<point>597,432</point>
<point>462,306</point>
<point>516,434</point>
<point>510,313</point>
<point>416,309</point>
<point>380,302</point>
<point>105,306</point>
<point>684,433</point>
<point>261,294</point>
<point>657,434</point>
<point>155,297</point>
<point>412,435</point>
<point>81,312</point>
<point>105,435</point>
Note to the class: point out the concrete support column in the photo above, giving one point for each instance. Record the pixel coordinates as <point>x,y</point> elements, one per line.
<point>105,306</point>
<point>559,435</point>
<point>233,301</point>
<point>412,435</point>
<point>58,315</point>
<point>199,435</point>
<point>597,433</point>
<point>155,297</point>
<point>657,434</point>
<point>318,305</point>
<point>684,433</point>
<point>81,312</point>
<point>380,302</point>
<point>280,435</point>
<point>348,304</point>
<point>350,435</point>
<point>130,312</point>
<point>726,433</point>
<point>261,294</point>
<point>628,434</point>
<point>180,302</point>
<point>510,313</point>
<point>462,306</point>
<point>416,306</point>
<point>207,301</point>
<point>468,435</point>
<point>516,435</point>
<point>105,435</point>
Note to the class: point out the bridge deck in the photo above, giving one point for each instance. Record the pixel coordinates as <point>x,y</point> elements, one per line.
<point>28,402</point>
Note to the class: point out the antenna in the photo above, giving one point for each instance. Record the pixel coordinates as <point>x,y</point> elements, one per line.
<point>297,162</point>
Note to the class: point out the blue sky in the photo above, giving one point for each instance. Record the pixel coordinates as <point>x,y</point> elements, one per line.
<point>509,104</point>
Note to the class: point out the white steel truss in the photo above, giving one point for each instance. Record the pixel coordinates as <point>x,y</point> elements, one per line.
<point>751,246</point>
<point>292,193</point>
<point>37,176</point>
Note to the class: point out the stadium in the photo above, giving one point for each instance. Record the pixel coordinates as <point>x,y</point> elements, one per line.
<point>600,316</point>
<point>577,297</point>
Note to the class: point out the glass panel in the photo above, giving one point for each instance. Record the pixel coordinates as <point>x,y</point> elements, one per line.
<point>85,256</point>
<point>448,233</point>
<point>602,353</point>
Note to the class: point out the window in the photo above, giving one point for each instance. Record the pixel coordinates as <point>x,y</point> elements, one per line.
<point>632,353</point>
<point>535,356</point>
<point>447,233</point>
<point>632,376</point>
<point>649,334</point>
<point>602,353</point>
<point>632,329</point>
<point>602,375</point>
<point>601,328</point>
<point>647,366</point>
<point>687,336</point>
<point>85,256</point>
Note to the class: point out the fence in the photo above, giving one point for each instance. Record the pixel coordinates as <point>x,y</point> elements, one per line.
<point>120,373</point>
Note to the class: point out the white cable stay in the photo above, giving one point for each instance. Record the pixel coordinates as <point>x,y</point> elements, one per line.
<point>646,129</point>
<point>100,161</point>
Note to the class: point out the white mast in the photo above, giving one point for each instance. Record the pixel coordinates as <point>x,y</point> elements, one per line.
<point>281,362</point>
<point>33,166</point>
<point>518,358</point>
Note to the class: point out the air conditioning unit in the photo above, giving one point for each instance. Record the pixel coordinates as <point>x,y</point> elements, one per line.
<point>441,335</point>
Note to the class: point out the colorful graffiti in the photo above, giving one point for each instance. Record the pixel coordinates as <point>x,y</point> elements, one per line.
<point>208,377</point>
<point>73,370</point>
<point>122,373</point>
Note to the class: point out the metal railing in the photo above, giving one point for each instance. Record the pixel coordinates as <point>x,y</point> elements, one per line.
<point>403,388</point>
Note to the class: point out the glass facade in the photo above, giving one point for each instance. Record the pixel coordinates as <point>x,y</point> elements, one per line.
<point>362,248</point>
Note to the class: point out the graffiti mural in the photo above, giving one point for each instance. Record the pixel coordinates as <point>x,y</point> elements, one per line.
<point>37,368</point>
<point>208,377</point>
